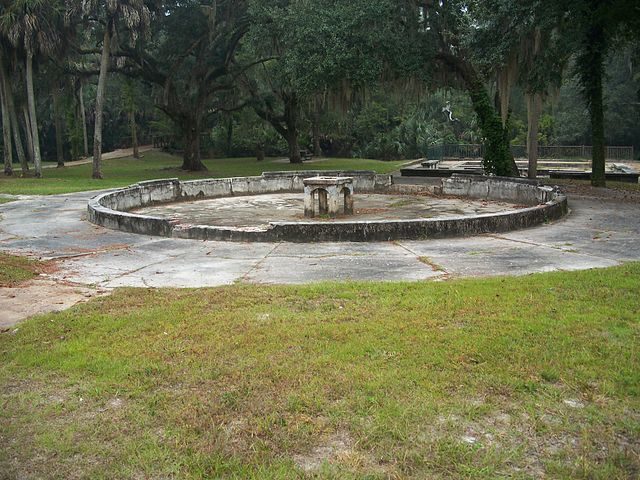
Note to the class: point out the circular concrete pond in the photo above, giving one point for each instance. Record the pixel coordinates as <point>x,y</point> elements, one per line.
<point>262,210</point>
<point>270,208</point>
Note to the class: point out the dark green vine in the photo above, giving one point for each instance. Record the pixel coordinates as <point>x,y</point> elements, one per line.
<point>498,159</point>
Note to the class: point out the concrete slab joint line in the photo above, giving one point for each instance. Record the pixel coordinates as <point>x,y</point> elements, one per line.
<point>259,263</point>
<point>539,205</point>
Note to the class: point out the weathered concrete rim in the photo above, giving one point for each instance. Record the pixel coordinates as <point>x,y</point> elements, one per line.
<point>544,204</point>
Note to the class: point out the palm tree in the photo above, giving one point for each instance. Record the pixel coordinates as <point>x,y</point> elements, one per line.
<point>30,26</point>
<point>6,130</point>
<point>9,94</point>
<point>135,17</point>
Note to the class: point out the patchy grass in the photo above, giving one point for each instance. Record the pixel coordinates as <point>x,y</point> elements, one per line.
<point>477,379</point>
<point>427,261</point>
<point>122,172</point>
<point>14,270</point>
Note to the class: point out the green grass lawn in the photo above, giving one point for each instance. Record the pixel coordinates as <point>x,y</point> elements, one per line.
<point>122,172</point>
<point>477,379</point>
<point>14,270</point>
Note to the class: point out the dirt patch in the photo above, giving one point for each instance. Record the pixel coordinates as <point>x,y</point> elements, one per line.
<point>40,296</point>
<point>336,447</point>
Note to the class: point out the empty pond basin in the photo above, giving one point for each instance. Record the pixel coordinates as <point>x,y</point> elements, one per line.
<point>260,210</point>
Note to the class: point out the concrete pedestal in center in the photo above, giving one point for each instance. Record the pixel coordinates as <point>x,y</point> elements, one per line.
<point>331,195</point>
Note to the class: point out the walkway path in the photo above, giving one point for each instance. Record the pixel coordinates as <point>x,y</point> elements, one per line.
<point>597,233</point>
<point>120,153</point>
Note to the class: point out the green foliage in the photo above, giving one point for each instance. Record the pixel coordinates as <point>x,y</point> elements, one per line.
<point>130,94</point>
<point>330,49</point>
<point>416,134</point>
<point>505,32</point>
<point>374,132</point>
<point>497,156</point>
<point>570,112</point>
<point>622,98</point>
<point>379,133</point>
<point>352,58</point>
<point>325,44</point>
<point>518,131</point>
<point>390,126</point>
<point>33,26</point>
<point>593,27</point>
<point>75,135</point>
<point>73,123</point>
<point>546,130</point>
<point>249,135</point>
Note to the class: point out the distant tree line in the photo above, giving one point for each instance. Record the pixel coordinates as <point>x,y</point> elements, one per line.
<point>375,78</point>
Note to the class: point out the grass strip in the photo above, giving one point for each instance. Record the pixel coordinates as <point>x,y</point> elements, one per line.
<point>15,270</point>
<point>156,165</point>
<point>477,378</point>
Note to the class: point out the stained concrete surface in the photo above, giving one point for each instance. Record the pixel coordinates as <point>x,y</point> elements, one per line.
<point>259,210</point>
<point>597,233</point>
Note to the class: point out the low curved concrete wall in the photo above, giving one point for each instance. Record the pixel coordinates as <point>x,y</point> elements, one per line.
<point>543,204</point>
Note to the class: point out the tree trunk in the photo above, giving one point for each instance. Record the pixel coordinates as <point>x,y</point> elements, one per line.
<point>591,64</point>
<point>260,152</point>
<point>102,81</point>
<point>534,107</point>
<point>286,125</point>
<point>58,122</point>
<point>294,147</point>
<point>134,134</point>
<point>6,129</point>
<point>26,124</point>
<point>187,150</point>
<point>83,116</point>
<point>31,100</point>
<point>315,131</point>
<point>191,158</point>
<point>13,120</point>
<point>498,159</point>
<point>5,93</point>
<point>15,127</point>
<point>196,160</point>
<point>598,152</point>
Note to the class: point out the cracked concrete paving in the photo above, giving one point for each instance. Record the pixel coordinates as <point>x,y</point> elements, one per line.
<point>597,233</point>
